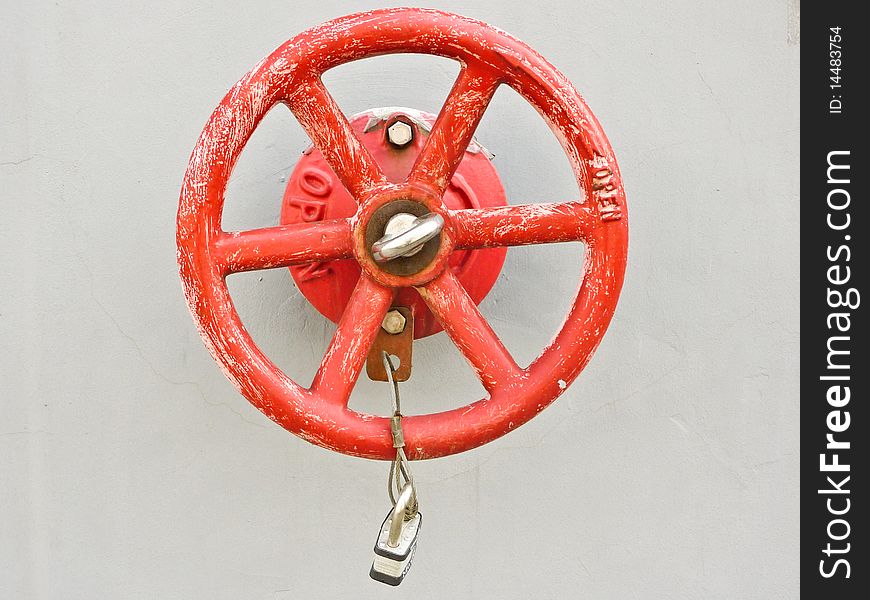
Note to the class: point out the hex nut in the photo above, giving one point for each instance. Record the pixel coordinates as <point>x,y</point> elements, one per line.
<point>394,322</point>
<point>400,133</point>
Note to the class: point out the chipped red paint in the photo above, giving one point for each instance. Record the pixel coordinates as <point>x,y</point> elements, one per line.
<point>314,193</point>
<point>291,75</point>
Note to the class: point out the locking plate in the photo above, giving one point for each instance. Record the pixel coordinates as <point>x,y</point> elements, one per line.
<point>395,344</point>
<point>391,564</point>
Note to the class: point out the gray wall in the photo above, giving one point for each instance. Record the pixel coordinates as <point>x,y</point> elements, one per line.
<point>130,467</point>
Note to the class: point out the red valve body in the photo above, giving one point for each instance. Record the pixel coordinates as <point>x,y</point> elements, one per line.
<point>314,193</point>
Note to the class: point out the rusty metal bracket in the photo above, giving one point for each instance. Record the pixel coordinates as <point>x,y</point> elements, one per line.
<point>398,341</point>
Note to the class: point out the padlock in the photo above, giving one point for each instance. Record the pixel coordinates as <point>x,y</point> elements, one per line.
<point>397,540</point>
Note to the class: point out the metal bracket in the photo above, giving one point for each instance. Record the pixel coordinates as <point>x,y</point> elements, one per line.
<point>396,344</point>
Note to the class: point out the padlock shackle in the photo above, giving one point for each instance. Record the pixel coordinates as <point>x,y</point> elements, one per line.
<point>421,230</point>
<point>403,503</point>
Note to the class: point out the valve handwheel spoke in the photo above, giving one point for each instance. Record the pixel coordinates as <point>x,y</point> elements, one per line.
<point>455,126</point>
<point>323,121</point>
<point>356,331</point>
<point>282,246</point>
<point>469,330</point>
<point>292,75</point>
<point>524,224</point>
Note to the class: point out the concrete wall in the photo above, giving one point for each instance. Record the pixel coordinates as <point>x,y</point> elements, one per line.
<point>130,467</point>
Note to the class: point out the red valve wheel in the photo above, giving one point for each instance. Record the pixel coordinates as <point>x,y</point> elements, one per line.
<point>291,75</point>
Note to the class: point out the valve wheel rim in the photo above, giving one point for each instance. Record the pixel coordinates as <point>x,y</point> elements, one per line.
<point>291,75</point>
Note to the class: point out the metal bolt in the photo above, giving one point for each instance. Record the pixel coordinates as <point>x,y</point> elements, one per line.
<point>394,322</point>
<point>400,133</point>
